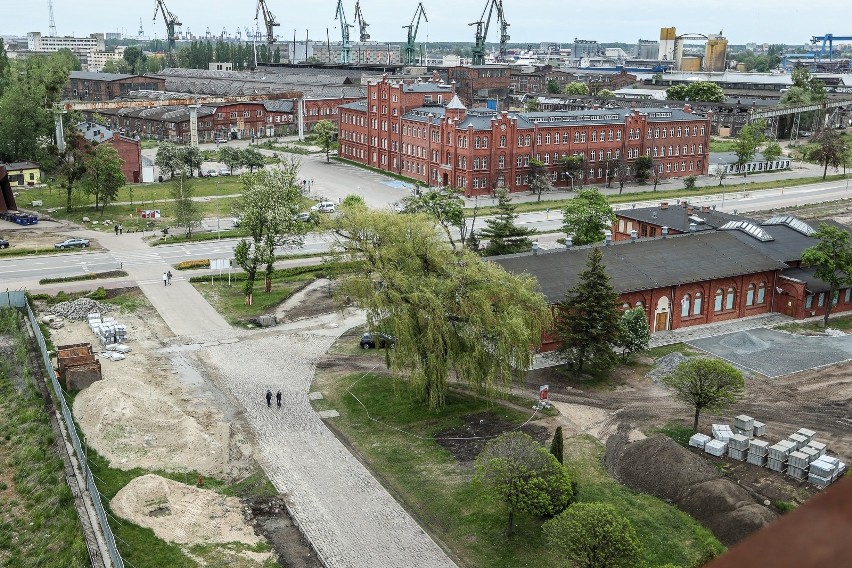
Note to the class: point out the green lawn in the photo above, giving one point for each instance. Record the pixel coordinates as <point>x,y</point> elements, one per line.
<point>438,490</point>
<point>723,145</point>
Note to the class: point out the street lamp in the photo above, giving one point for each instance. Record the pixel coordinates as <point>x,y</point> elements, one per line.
<point>218,231</point>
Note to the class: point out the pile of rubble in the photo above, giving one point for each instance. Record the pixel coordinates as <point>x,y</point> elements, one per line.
<point>79,309</point>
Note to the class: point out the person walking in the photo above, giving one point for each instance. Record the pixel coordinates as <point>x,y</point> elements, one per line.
<point>120,229</point>
<point>278,399</point>
<point>116,229</point>
<point>165,279</point>
<point>269,398</point>
<point>169,277</point>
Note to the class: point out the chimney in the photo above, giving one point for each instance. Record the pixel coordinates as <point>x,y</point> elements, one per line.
<point>683,203</point>
<point>690,210</point>
<point>664,231</point>
<point>607,237</point>
<point>705,208</point>
<point>535,248</point>
<point>633,235</point>
<point>692,227</point>
<point>687,108</point>
<point>664,205</point>
<point>569,242</point>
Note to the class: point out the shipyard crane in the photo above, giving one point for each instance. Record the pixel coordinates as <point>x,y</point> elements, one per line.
<point>268,19</point>
<point>362,24</point>
<point>829,39</point>
<point>345,50</point>
<point>171,22</point>
<point>409,51</point>
<point>482,25</point>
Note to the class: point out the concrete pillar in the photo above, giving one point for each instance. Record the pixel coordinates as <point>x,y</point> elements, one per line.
<point>193,125</point>
<point>301,118</point>
<point>60,130</point>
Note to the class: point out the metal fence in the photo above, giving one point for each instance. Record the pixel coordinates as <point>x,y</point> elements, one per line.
<point>17,299</point>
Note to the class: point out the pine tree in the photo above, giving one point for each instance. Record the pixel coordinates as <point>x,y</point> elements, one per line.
<point>588,323</point>
<point>556,446</point>
<point>504,237</point>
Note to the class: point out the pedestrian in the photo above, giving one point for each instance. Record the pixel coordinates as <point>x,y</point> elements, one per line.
<point>278,399</point>
<point>165,279</point>
<point>169,277</point>
<point>120,229</point>
<point>116,229</point>
<point>269,398</point>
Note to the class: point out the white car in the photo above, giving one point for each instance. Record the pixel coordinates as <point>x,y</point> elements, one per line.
<point>324,207</point>
<point>211,173</point>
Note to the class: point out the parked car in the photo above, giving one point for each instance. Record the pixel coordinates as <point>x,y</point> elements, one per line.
<point>211,173</point>
<point>236,222</point>
<point>373,340</point>
<point>324,207</point>
<point>221,140</point>
<point>72,243</point>
<point>224,172</point>
<point>304,216</point>
<point>4,244</point>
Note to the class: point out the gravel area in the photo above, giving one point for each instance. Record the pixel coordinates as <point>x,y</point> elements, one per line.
<point>665,365</point>
<point>80,308</point>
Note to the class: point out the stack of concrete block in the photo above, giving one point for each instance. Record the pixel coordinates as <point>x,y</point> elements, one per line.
<point>699,440</point>
<point>744,425</point>
<point>823,470</point>
<point>797,465</point>
<point>759,428</point>
<point>808,434</point>
<point>810,452</point>
<point>716,448</point>
<point>818,446</point>
<point>722,432</point>
<point>738,447</point>
<point>778,455</point>
<point>758,450</point>
<point>798,441</point>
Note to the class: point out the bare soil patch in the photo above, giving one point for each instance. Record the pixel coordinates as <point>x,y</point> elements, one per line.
<point>270,517</point>
<point>315,298</point>
<point>41,236</point>
<point>467,441</point>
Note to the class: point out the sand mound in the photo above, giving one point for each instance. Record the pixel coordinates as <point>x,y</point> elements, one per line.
<point>659,466</point>
<point>181,513</point>
<point>744,343</point>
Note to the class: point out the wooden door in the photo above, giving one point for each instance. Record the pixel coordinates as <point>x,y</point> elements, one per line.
<point>790,307</point>
<point>662,322</point>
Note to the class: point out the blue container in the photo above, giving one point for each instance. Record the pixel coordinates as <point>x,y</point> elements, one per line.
<point>491,104</point>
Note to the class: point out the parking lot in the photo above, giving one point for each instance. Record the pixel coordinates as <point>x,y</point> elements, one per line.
<point>774,353</point>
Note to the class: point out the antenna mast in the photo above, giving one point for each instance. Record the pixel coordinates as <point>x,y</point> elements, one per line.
<point>52,23</point>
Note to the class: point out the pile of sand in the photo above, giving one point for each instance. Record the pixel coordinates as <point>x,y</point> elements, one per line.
<point>184,514</point>
<point>661,467</point>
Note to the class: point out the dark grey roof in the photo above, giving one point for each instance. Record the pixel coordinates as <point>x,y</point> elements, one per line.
<point>279,105</point>
<point>806,275</point>
<point>94,132</point>
<point>357,105</point>
<point>92,76</point>
<point>606,116</point>
<point>678,218</point>
<point>645,264</point>
<point>14,166</point>
<point>427,88</point>
<point>787,244</point>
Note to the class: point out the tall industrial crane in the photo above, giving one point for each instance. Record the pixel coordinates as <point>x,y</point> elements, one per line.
<point>482,25</point>
<point>268,19</point>
<point>171,23</point>
<point>362,24</point>
<point>409,52</point>
<point>829,39</point>
<point>345,50</point>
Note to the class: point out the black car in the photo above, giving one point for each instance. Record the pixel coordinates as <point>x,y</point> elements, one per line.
<point>4,244</point>
<point>372,340</point>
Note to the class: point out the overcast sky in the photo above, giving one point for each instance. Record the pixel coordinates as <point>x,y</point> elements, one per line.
<point>532,21</point>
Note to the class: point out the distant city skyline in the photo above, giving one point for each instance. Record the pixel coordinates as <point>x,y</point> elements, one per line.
<point>554,21</point>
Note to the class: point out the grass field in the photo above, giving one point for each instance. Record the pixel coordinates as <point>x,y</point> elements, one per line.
<point>438,490</point>
<point>722,145</point>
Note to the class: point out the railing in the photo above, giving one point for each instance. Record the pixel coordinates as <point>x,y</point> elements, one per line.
<point>18,299</point>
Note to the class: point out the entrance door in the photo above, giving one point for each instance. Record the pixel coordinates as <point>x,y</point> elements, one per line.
<point>446,180</point>
<point>790,307</point>
<point>662,322</point>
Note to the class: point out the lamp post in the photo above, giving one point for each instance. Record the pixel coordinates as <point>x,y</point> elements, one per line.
<point>218,231</point>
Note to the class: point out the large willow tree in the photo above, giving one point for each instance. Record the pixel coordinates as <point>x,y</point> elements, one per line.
<point>450,311</point>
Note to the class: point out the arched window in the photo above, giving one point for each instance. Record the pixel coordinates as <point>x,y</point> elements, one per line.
<point>639,304</point>
<point>729,299</point>
<point>750,295</point>
<point>625,306</point>
<point>761,293</point>
<point>684,305</point>
<point>696,304</point>
<point>717,304</point>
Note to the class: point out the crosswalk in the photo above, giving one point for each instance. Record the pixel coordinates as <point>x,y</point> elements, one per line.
<point>140,258</point>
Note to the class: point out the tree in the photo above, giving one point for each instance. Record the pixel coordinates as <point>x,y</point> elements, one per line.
<point>187,213</point>
<point>449,310</point>
<point>326,135</point>
<point>557,446</point>
<point>504,237</point>
<point>5,69</point>
<point>268,209</point>
<point>576,88</point>
<point>168,159</point>
<point>621,173</point>
<point>832,257</point>
<point>72,169</point>
<point>750,138</point>
<point>587,323</point>
<point>831,149</point>
<point>705,384</point>
<point>525,476</point>
<point>605,93</point>
<point>594,535</point>
<point>633,332</point>
<point>532,105</point>
<point>587,216</point>
<point>231,157</point>
<point>446,206</point>
<point>574,167</point>
<point>643,166</point>
<point>353,200</point>
<point>251,159</point>
<point>772,151</point>
<point>552,87</point>
<point>656,173</point>
<point>191,158</point>
<point>540,178</point>
<point>701,91</point>
<point>105,177</point>
<point>689,182</point>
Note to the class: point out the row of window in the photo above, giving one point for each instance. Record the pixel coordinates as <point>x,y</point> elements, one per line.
<point>660,152</point>
<point>809,300</point>
<point>690,305</point>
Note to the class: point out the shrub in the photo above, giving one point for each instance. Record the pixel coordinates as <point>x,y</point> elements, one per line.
<point>192,264</point>
<point>689,182</point>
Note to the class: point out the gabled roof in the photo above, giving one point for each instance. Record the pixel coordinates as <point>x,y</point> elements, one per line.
<point>678,218</point>
<point>646,264</point>
<point>749,228</point>
<point>456,104</point>
<point>786,245</point>
<point>806,275</point>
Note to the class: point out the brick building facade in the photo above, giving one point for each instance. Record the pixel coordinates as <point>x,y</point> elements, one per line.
<point>478,84</point>
<point>424,132</point>
<point>86,86</point>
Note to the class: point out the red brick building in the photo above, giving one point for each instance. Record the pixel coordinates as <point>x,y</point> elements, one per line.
<point>86,86</point>
<point>478,84</point>
<point>129,149</point>
<point>421,131</point>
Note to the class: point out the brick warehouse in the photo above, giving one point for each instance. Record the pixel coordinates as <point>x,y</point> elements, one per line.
<point>424,132</point>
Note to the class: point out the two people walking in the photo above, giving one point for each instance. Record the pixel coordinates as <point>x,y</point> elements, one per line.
<point>167,278</point>
<point>119,229</point>
<point>269,398</point>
